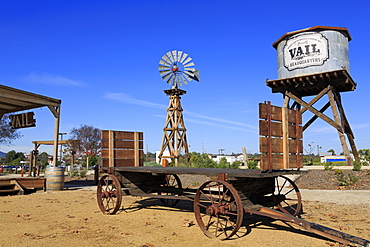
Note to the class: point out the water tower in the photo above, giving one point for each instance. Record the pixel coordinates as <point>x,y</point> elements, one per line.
<point>314,62</point>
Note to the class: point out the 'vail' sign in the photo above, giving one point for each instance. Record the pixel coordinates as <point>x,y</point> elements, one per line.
<point>23,120</point>
<point>305,50</point>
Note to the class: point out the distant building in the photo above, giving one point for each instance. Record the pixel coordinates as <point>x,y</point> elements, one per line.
<point>333,158</point>
<point>229,158</point>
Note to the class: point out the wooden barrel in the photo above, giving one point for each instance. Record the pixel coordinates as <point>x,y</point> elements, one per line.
<point>54,178</point>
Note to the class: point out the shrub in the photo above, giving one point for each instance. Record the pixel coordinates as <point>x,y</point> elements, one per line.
<point>357,165</point>
<point>347,180</point>
<point>338,171</point>
<point>78,174</point>
<point>151,163</point>
<point>328,166</point>
<point>252,164</point>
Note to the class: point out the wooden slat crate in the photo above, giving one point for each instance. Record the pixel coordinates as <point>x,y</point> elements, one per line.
<point>122,148</point>
<point>280,149</point>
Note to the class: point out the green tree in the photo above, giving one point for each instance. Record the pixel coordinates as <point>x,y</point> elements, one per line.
<point>7,134</point>
<point>43,159</point>
<point>223,163</point>
<point>12,155</point>
<point>93,161</point>
<point>236,164</point>
<point>194,157</point>
<point>16,162</point>
<point>332,151</point>
<point>365,154</point>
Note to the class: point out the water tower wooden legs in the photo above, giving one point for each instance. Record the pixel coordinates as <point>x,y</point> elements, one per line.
<point>174,131</point>
<point>340,122</point>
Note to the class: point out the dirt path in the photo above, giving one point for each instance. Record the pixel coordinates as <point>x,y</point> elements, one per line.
<point>72,218</point>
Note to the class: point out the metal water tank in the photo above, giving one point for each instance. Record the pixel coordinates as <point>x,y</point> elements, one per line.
<point>312,50</point>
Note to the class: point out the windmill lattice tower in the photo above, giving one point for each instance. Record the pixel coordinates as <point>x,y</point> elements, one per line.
<point>176,68</point>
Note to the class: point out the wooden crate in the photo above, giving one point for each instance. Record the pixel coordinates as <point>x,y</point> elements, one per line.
<point>280,147</point>
<point>122,148</point>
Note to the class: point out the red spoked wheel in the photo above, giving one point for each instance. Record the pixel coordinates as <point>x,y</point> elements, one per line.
<point>218,209</point>
<point>170,181</point>
<point>109,194</point>
<point>289,196</point>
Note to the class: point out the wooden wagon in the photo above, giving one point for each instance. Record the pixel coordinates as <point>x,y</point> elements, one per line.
<point>220,203</point>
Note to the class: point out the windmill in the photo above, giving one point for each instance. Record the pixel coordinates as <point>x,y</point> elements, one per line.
<point>176,68</point>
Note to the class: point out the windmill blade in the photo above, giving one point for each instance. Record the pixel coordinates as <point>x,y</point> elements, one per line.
<point>169,55</point>
<point>189,64</point>
<point>178,82</point>
<point>183,57</point>
<point>174,55</point>
<point>187,77</point>
<point>166,77</point>
<point>179,54</point>
<point>183,79</point>
<point>166,61</point>
<point>191,69</point>
<point>172,81</point>
<point>161,67</point>
<point>187,60</point>
<point>164,72</point>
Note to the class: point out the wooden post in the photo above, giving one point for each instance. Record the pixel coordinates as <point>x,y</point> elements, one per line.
<point>111,148</point>
<point>136,149</point>
<point>269,137</point>
<point>31,164</point>
<point>341,134</point>
<point>96,174</point>
<point>285,124</point>
<point>56,112</point>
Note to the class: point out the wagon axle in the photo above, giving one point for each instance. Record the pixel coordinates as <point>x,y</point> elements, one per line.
<point>220,209</point>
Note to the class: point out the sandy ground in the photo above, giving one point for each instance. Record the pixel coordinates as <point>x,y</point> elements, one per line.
<point>72,218</point>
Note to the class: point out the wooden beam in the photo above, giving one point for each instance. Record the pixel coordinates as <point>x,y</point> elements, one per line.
<point>34,100</point>
<point>347,127</point>
<point>52,142</point>
<point>309,122</point>
<point>315,111</point>
<point>341,134</point>
<point>314,100</point>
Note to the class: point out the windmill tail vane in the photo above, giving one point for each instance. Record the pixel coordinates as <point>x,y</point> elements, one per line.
<point>176,68</point>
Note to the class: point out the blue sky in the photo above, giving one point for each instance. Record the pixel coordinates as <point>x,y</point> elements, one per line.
<point>101,58</point>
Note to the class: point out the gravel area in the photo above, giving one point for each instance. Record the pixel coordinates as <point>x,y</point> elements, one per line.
<point>330,180</point>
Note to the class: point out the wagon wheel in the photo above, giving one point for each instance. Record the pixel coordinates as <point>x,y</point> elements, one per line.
<point>218,209</point>
<point>289,196</point>
<point>109,194</point>
<point>170,180</point>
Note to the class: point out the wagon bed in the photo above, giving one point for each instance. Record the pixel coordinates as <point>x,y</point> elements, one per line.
<point>231,173</point>
<point>220,203</point>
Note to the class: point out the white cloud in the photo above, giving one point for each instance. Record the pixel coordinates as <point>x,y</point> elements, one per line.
<point>51,79</point>
<point>361,126</point>
<point>221,120</point>
<point>325,130</point>
<point>125,98</point>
